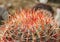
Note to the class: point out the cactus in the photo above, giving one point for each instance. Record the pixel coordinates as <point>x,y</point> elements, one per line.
<point>31,26</point>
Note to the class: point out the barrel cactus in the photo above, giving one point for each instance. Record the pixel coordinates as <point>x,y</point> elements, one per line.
<point>30,26</point>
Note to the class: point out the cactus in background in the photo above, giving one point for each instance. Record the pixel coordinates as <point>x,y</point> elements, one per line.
<point>31,26</point>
